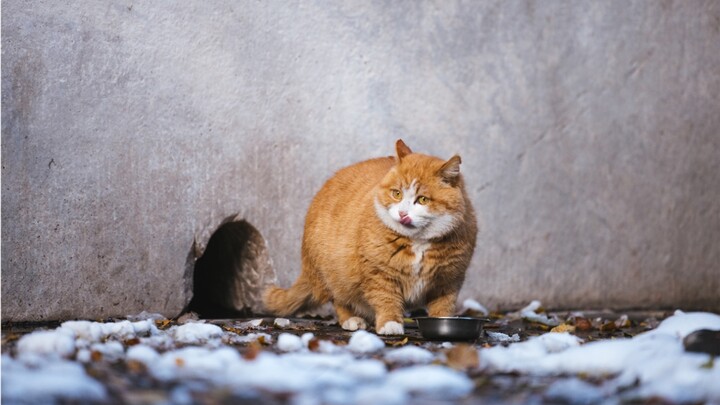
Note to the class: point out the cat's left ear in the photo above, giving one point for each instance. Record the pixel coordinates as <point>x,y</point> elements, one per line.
<point>401,149</point>
<point>450,170</point>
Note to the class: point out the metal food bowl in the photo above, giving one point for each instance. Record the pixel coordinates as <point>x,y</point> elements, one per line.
<point>450,328</point>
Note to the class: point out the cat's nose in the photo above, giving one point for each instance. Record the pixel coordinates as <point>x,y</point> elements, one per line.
<point>403,214</point>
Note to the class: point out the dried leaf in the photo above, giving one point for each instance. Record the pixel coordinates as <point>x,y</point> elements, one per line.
<point>136,367</point>
<point>462,357</point>
<point>96,356</point>
<point>314,344</point>
<point>252,351</point>
<point>398,343</point>
<point>563,328</point>
<point>163,324</point>
<point>608,326</point>
<point>583,324</point>
<point>538,326</point>
<point>132,342</point>
<point>179,362</point>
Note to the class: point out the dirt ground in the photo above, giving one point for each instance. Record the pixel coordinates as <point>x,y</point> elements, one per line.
<point>130,382</point>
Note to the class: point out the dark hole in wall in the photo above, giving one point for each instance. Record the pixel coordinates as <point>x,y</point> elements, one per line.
<point>229,277</point>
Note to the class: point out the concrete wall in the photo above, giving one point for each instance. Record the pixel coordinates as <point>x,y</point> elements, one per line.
<point>589,131</point>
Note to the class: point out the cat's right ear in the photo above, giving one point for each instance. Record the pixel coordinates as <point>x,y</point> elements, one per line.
<point>401,149</point>
<point>450,171</point>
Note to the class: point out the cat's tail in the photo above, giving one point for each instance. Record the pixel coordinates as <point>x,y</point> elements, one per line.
<point>285,302</point>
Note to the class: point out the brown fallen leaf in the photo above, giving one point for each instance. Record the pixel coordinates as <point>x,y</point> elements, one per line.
<point>252,351</point>
<point>96,356</point>
<point>608,326</point>
<point>314,344</point>
<point>462,357</point>
<point>131,342</point>
<point>262,341</point>
<point>398,343</point>
<point>136,367</point>
<point>564,327</point>
<point>583,324</point>
<point>163,324</point>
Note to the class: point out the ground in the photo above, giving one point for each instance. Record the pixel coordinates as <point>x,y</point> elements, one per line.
<point>527,356</point>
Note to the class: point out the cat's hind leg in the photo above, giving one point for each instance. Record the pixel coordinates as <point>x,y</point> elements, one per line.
<point>347,319</point>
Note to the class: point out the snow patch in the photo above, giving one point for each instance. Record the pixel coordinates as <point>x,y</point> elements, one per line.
<point>472,305</point>
<point>649,365</point>
<point>682,324</point>
<point>529,313</point>
<point>288,342</point>
<point>47,382</point>
<point>499,337</point>
<point>123,330</point>
<point>365,342</point>
<point>433,381</point>
<point>58,342</point>
<point>143,354</point>
<point>410,355</point>
<point>195,333</point>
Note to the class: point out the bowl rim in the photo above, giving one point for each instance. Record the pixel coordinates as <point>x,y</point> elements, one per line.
<point>462,318</point>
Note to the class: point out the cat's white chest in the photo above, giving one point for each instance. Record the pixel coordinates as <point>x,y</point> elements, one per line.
<point>417,287</point>
<point>419,249</point>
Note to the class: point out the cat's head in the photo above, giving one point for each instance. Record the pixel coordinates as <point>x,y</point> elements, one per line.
<point>421,197</point>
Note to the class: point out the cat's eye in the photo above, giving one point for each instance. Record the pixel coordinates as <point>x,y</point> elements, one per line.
<point>422,200</point>
<point>396,194</point>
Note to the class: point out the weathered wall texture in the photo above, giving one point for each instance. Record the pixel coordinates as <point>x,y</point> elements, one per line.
<point>589,131</point>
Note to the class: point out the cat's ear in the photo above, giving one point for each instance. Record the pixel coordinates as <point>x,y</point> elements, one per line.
<point>450,170</point>
<point>401,149</point>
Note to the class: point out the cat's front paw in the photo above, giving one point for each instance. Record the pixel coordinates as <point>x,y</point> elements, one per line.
<point>354,323</point>
<point>391,328</point>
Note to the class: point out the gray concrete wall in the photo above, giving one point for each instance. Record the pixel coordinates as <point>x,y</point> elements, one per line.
<point>589,131</point>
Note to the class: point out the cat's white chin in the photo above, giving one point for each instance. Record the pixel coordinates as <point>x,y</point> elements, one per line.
<point>421,230</point>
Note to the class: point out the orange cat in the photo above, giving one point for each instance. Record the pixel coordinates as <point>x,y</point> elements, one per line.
<point>383,236</point>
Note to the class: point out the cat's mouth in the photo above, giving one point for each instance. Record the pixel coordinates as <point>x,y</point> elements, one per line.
<point>406,221</point>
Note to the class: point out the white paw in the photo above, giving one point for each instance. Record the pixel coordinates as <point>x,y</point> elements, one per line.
<point>354,323</point>
<point>391,328</point>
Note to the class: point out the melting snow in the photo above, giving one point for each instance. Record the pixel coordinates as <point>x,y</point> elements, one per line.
<point>652,364</point>
<point>365,342</point>
<point>47,381</point>
<point>499,337</point>
<point>472,305</point>
<point>435,381</point>
<point>529,313</point>
<point>410,355</point>
<point>656,361</point>
<point>289,343</point>
<point>59,342</point>
<point>195,333</point>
